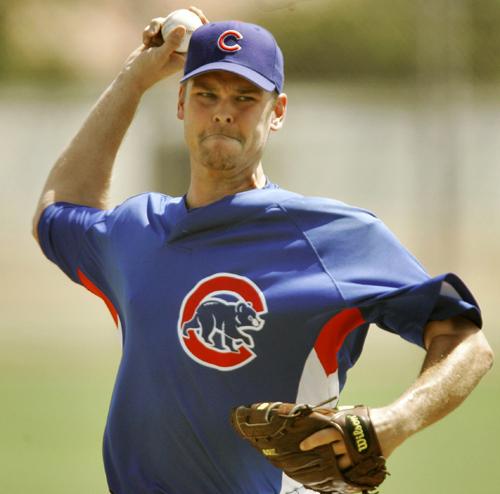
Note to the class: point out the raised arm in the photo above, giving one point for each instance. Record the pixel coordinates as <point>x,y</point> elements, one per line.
<point>82,174</point>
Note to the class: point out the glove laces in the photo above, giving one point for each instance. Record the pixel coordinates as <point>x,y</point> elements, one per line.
<point>297,409</point>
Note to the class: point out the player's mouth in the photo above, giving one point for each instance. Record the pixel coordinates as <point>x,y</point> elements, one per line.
<point>220,135</point>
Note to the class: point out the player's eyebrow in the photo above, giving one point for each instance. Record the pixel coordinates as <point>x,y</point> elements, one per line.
<point>249,90</point>
<point>202,85</point>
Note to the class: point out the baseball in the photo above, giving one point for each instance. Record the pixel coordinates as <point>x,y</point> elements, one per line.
<point>185,18</point>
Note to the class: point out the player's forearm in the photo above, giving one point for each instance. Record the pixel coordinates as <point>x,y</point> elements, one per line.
<point>452,368</point>
<point>82,174</point>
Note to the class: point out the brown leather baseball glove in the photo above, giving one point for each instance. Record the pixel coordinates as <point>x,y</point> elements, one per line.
<point>277,429</point>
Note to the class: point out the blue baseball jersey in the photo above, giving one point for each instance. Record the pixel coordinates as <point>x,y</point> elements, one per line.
<point>264,295</point>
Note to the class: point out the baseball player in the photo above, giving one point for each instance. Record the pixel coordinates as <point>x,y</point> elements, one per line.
<point>239,291</point>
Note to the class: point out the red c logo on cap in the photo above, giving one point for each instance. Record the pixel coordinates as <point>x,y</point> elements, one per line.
<point>221,42</point>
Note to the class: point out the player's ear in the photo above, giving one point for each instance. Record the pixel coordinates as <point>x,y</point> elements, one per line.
<point>279,111</point>
<point>181,101</point>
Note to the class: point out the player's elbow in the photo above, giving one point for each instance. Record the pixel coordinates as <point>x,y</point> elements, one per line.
<point>34,226</point>
<point>482,352</point>
<point>487,355</point>
<point>36,220</point>
<point>42,205</point>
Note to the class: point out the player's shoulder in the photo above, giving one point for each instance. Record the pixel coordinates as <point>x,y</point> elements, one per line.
<point>144,206</point>
<point>138,214</point>
<point>324,209</point>
<point>154,200</point>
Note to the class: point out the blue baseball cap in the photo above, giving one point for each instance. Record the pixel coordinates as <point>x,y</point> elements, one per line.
<point>244,49</point>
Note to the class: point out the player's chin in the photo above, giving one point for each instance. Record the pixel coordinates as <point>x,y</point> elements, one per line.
<point>221,157</point>
<point>220,161</point>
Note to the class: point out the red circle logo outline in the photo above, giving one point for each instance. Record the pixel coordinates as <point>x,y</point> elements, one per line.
<point>219,283</point>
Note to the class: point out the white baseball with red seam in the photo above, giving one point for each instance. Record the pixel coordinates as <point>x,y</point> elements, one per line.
<point>181,17</point>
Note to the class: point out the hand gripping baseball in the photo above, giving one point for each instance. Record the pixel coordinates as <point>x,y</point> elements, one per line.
<point>277,429</point>
<point>157,58</point>
<point>152,35</point>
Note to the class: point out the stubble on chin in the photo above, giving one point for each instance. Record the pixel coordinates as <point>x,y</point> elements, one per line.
<point>219,158</point>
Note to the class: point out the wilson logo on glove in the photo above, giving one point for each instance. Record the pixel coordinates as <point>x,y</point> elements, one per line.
<point>358,433</point>
<point>215,318</point>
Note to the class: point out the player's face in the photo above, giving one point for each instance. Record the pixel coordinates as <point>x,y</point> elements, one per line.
<point>227,120</point>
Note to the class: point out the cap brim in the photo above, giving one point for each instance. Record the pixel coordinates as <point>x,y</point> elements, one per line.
<point>241,70</point>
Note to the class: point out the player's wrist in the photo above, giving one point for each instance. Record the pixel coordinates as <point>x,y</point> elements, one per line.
<point>129,84</point>
<point>138,73</point>
<point>390,427</point>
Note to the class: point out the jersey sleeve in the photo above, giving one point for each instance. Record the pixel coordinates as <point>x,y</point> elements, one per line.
<point>374,272</point>
<point>94,247</point>
<point>82,242</point>
<point>74,237</point>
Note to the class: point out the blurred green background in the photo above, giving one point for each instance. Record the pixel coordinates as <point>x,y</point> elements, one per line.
<point>394,106</point>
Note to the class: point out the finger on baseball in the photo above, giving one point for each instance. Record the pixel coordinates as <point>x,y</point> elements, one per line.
<point>155,25</point>
<point>324,436</point>
<point>200,14</point>
<point>151,36</point>
<point>174,38</point>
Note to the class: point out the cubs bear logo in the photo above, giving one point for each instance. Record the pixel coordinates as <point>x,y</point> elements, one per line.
<point>216,317</point>
<point>225,36</point>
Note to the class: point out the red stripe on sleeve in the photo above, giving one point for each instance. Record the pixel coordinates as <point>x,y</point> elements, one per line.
<point>92,288</point>
<point>333,334</point>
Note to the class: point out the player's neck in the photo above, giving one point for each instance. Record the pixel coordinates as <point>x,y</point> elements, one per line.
<point>207,187</point>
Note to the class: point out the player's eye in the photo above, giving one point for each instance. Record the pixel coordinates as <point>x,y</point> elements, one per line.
<point>206,94</point>
<point>244,98</point>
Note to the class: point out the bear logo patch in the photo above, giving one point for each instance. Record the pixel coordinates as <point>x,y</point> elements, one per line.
<point>218,318</point>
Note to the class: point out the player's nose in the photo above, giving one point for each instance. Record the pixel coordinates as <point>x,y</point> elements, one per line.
<point>222,117</point>
<point>223,114</point>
